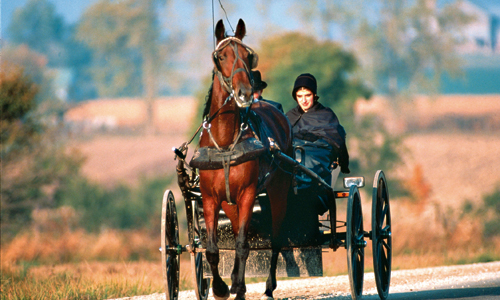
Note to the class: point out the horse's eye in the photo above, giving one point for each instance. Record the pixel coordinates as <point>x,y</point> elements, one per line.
<point>222,57</point>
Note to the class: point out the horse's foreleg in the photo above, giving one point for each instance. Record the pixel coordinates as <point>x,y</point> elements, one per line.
<point>278,201</point>
<point>219,287</point>
<point>242,247</point>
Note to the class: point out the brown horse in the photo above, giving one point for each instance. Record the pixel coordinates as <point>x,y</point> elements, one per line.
<point>231,94</point>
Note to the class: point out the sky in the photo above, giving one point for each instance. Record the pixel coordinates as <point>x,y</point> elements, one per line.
<point>278,12</point>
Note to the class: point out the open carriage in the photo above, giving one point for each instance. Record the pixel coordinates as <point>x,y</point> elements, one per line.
<point>243,218</point>
<point>306,238</point>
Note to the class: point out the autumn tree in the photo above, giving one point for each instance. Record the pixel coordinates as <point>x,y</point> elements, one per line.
<point>33,157</point>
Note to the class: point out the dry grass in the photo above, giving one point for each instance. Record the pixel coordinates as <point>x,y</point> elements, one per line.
<point>88,280</point>
<point>81,281</point>
<point>77,245</point>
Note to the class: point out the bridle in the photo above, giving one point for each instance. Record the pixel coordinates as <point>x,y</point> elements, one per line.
<point>227,82</point>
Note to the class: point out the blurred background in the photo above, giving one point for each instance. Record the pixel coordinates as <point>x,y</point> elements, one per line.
<point>95,94</point>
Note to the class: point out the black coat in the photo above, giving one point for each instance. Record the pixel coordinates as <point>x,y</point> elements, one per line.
<point>274,103</point>
<point>320,122</point>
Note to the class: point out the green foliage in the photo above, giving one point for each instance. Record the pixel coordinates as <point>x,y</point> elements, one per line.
<point>33,65</point>
<point>17,95</point>
<point>491,228</point>
<point>492,201</point>
<point>292,54</point>
<point>121,207</point>
<point>492,214</point>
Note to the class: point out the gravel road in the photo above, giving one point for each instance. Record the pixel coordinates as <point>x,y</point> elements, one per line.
<point>476,281</point>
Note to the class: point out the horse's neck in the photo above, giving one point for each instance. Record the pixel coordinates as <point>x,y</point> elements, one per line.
<point>225,125</point>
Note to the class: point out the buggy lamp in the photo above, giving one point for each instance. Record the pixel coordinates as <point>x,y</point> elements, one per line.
<point>358,181</point>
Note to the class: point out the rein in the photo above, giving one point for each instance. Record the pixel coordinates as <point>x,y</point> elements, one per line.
<point>227,84</point>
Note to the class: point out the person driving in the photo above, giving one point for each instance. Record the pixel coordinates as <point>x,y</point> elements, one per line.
<point>258,88</point>
<point>317,132</point>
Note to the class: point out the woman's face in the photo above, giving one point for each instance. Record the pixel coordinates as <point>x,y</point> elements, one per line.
<point>305,98</point>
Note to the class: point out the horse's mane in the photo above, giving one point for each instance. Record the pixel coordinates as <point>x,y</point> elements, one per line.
<point>208,98</point>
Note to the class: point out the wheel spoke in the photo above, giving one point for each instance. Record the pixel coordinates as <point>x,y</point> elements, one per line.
<point>359,224</point>
<point>384,211</point>
<point>386,246</point>
<point>359,237</point>
<point>383,257</point>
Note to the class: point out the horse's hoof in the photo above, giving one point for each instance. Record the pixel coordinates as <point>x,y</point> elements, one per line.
<point>221,298</point>
<point>239,297</point>
<point>233,289</point>
<point>266,297</point>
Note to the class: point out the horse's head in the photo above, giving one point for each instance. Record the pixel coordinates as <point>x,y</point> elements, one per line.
<point>233,61</point>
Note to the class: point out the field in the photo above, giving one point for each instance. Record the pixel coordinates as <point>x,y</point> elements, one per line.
<point>450,165</point>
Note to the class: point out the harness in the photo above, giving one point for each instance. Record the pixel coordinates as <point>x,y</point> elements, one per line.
<point>227,82</point>
<point>208,158</point>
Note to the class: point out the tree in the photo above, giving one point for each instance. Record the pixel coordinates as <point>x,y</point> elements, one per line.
<point>39,27</point>
<point>403,46</point>
<point>124,36</point>
<point>34,160</point>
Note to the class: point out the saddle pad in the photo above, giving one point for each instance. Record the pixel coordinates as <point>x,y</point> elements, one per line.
<point>209,158</point>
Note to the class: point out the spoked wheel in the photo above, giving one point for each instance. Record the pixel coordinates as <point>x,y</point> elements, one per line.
<point>355,243</point>
<point>381,234</point>
<point>169,246</point>
<point>202,284</point>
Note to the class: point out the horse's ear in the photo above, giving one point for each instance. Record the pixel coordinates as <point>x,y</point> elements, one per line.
<point>240,30</point>
<point>220,31</point>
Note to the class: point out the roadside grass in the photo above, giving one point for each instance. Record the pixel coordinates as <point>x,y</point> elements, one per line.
<point>109,280</point>
<point>86,280</point>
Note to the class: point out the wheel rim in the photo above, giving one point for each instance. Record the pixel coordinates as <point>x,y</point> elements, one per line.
<point>202,284</point>
<point>381,235</point>
<point>169,244</point>
<point>355,243</point>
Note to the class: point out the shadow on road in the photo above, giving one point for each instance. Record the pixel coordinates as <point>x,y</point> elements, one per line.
<point>483,291</point>
<point>464,293</point>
